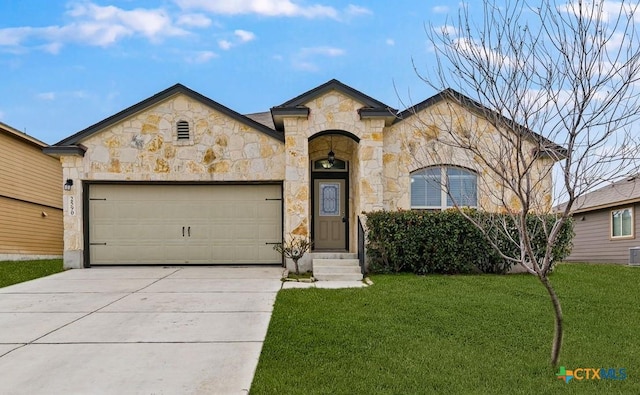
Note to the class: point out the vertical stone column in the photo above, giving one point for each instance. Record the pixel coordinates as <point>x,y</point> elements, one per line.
<point>72,204</point>
<point>370,180</point>
<point>296,184</point>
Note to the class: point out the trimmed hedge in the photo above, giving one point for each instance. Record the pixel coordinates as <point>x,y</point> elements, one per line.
<point>446,242</point>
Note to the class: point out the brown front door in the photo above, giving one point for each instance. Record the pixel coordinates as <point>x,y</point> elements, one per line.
<point>330,214</point>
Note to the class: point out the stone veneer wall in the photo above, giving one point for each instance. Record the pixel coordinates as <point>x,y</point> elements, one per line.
<point>333,111</point>
<point>144,147</point>
<point>413,144</point>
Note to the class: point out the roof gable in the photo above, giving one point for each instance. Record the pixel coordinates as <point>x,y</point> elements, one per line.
<point>333,84</point>
<point>157,98</point>
<point>296,107</point>
<point>546,146</point>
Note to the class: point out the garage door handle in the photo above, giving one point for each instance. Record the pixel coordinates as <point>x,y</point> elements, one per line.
<point>183,231</point>
<point>189,231</point>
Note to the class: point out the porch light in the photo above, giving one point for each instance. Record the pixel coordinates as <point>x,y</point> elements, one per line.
<point>68,184</point>
<point>331,157</point>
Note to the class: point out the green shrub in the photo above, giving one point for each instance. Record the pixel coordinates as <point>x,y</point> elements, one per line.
<point>446,242</point>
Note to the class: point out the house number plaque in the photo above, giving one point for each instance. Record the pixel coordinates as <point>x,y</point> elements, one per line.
<point>72,205</point>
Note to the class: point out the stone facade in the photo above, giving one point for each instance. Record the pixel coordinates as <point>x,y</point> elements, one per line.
<point>381,152</point>
<point>421,141</point>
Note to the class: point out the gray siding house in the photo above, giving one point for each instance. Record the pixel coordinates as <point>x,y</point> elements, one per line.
<point>606,222</point>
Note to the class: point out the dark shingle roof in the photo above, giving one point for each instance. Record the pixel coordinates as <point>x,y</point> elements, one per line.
<point>158,97</point>
<point>263,118</point>
<point>621,192</point>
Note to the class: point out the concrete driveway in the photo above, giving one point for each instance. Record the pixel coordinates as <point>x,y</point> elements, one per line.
<point>144,330</point>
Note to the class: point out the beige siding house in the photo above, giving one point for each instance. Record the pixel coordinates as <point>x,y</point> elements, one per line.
<point>181,179</point>
<point>30,198</point>
<point>606,223</point>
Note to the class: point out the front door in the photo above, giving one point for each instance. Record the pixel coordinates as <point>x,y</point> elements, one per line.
<point>330,214</point>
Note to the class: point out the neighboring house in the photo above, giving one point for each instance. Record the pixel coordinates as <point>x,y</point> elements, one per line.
<point>605,223</point>
<point>180,179</point>
<point>30,198</point>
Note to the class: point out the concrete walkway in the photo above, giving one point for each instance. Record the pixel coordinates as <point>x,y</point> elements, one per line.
<point>148,330</point>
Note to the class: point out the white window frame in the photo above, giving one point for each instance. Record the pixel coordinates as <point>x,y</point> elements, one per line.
<point>621,236</point>
<point>443,187</point>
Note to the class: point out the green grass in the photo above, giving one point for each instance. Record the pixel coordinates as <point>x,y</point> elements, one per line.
<point>13,272</point>
<point>454,334</point>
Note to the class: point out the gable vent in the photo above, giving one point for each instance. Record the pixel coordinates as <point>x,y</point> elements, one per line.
<point>183,130</point>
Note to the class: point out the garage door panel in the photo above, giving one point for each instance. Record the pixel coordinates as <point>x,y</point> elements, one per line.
<point>184,223</point>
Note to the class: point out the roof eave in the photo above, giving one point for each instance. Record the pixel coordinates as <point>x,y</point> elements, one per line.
<point>388,114</point>
<point>65,150</point>
<point>157,98</point>
<point>281,112</point>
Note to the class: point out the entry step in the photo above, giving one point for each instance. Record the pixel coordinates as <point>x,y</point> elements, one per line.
<point>336,269</point>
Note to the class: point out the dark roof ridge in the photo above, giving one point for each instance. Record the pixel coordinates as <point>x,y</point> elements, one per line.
<point>337,85</point>
<point>158,97</point>
<point>482,110</point>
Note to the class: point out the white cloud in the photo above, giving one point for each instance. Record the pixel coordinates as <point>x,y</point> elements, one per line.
<point>95,25</point>
<point>48,96</point>
<point>113,22</point>
<point>287,8</point>
<point>52,48</point>
<point>304,59</point>
<point>357,10</point>
<point>245,36</point>
<point>492,57</point>
<point>326,51</point>
<point>610,11</point>
<point>14,36</point>
<point>440,9</point>
<point>447,29</point>
<point>225,44</point>
<point>194,20</point>
<point>305,66</point>
<point>201,57</point>
<point>239,37</point>
<point>391,42</point>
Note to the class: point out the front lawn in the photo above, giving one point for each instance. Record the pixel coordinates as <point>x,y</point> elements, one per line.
<point>480,334</point>
<point>13,272</point>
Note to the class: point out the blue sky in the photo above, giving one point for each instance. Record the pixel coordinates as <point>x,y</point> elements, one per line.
<point>67,65</point>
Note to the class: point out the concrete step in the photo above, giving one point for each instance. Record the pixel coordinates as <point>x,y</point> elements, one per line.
<point>333,255</point>
<point>339,277</point>
<point>335,262</point>
<point>336,269</point>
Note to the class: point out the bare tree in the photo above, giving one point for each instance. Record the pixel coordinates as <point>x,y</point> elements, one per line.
<point>558,84</point>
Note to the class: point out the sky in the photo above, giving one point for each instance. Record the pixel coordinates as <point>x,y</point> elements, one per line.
<point>65,66</point>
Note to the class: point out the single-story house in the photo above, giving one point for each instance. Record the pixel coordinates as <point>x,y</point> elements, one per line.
<point>605,223</point>
<point>30,198</point>
<point>180,179</point>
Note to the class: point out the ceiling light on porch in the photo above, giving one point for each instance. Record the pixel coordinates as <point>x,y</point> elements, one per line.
<point>331,157</point>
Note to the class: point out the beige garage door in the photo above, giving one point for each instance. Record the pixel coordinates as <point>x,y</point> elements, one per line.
<point>194,224</point>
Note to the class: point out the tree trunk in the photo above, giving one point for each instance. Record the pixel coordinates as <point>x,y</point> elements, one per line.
<point>557,337</point>
<point>295,264</point>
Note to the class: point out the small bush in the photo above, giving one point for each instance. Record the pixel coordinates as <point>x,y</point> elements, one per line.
<point>446,242</point>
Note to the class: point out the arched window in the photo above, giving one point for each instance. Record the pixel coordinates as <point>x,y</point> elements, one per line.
<point>440,187</point>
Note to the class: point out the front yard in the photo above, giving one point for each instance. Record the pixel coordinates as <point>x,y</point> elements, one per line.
<point>13,272</point>
<point>454,334</point>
